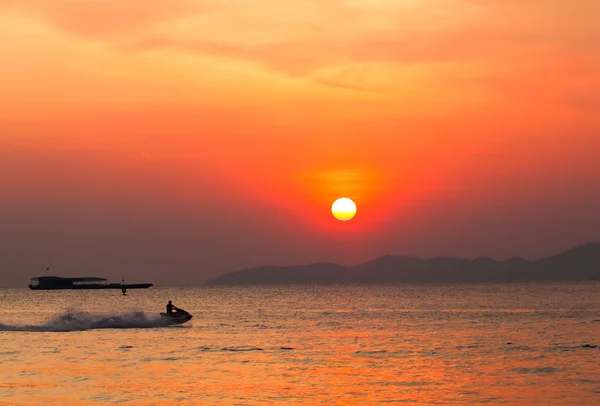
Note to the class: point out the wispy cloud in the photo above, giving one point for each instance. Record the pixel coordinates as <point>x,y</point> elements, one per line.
<point>104,19</point>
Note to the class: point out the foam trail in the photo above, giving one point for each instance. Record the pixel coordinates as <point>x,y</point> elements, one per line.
<point>77,321</point>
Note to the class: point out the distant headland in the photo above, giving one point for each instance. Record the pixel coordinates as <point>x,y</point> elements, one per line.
<point>578,264</point>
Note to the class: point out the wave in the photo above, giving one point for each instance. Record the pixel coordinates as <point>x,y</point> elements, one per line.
<point>77,321</point>
<point>241,348</point>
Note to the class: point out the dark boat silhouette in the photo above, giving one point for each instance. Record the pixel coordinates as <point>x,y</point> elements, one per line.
<point>58,283</point>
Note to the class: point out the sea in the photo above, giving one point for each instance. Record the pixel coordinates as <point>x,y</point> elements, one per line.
<point>509,344</point>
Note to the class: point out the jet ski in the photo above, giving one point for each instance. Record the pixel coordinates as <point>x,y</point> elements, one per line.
<point>178,317</point>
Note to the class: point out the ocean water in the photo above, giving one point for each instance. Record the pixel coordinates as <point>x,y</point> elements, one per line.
<point>417,345</point>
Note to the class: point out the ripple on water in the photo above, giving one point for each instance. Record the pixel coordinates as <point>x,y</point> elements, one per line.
<point>370,352</point>
<point>329,324</point>
<point>566,348</point>
<point>468,347</point>
<point>516,348</point>
<point>148,359</point>
<point>241,348</point>
<point>28,373</point>
<point>406,383</point>
<point>538,370</point>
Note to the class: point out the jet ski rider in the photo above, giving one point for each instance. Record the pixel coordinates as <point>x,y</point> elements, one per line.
<point>170,308</point>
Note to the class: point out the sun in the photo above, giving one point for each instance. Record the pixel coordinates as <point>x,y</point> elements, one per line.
<point>343,209</point>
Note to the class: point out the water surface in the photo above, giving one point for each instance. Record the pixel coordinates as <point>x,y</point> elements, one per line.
<point>450,344</point>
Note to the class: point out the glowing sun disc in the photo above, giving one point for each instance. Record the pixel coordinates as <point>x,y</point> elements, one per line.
<point>343,209</point>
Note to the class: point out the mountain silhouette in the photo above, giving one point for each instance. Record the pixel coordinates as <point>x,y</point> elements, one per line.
<point>578,264</point>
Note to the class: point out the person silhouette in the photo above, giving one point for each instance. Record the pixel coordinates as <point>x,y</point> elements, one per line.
<point>170,308</point>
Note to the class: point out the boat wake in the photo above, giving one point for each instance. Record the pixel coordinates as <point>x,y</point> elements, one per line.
<point>77,321</point>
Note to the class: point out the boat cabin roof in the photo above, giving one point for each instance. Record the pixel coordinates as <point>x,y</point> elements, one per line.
<point>79,279</point>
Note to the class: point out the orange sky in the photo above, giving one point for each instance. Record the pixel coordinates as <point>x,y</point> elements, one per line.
<point>204,136</point>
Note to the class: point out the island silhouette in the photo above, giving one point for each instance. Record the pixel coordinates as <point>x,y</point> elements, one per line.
<point>578,264</point>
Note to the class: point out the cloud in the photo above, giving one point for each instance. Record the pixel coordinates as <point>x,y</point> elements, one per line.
<point>102,18</point>
<point>298,37</point>
<point>504,34</point>
<point>351,44</point>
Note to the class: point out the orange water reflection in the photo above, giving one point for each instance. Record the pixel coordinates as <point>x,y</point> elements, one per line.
<point>316,345</point>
